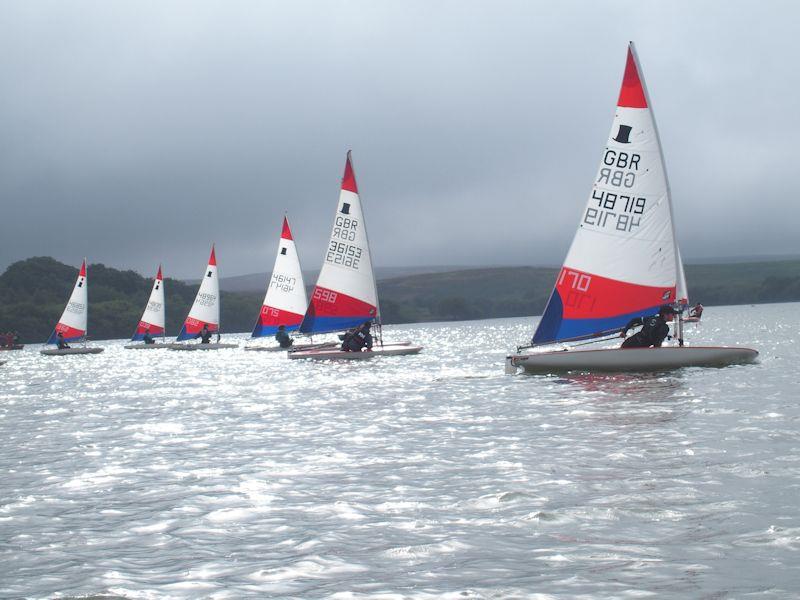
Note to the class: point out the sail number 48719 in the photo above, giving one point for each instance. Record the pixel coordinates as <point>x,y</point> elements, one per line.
<point>617,211</point>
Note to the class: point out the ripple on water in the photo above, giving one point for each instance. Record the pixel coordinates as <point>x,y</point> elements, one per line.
<point>237,474</point>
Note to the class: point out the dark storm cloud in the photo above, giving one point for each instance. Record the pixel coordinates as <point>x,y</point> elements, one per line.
<point>138,133</point>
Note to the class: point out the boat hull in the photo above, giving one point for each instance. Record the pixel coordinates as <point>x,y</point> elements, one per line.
<point>69,351</point>
<point>632,359</point>
<point>294,348</point>
<point>394,349</point>
<point>217,346</point>
<point>144,346</point>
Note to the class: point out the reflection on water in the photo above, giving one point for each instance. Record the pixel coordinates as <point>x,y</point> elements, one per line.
<point>233,474</point>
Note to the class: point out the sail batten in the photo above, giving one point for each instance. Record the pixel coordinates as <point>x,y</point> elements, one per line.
<point>345,294</point>
<point>623,261</point>
<point>285,301</point>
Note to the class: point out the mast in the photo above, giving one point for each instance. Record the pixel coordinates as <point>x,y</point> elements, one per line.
<point>164,331</point>
<point>678,261</point>
<point>378,322</point>
<point>86,283</point>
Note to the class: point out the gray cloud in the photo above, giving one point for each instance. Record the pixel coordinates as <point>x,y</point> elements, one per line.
<point>137,133</point>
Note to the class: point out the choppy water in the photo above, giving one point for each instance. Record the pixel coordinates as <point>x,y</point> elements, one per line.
<point>232,474</point>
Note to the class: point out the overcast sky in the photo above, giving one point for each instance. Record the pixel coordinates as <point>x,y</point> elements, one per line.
<point>139,132</point>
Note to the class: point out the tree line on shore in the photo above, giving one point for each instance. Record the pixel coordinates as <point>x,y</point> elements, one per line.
<point>33,293</point>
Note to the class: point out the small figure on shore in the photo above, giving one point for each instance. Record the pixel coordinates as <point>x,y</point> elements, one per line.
<point>284,340</point>
<point>697,311</point>
<point>653,332</point>
<point>205,334</point>
<point>358,338</point>
<point>62,343</point>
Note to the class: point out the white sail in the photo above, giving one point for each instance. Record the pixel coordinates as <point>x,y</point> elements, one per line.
<point>205,310</point>
<point>345,294</point>
<point>154,317</point>
<point>73,322</point>
<point>285,301</point>
<point>623,261</point>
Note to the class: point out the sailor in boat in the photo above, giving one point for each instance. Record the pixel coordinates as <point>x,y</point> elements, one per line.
<point>284,340</point>
<point>147,338</point>
<point>653,332</point>
<point>204,335</point>
<point>62,344</point>
<point>697,311</point>
<point>357,339</point>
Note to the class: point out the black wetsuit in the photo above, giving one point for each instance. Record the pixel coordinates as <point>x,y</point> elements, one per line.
<point>148,339</point>
<point>653,333</point>
<point>284,341</point>
<point>357,339</point>
<point>205,336</point>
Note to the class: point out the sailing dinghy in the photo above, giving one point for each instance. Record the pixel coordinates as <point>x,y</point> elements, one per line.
<point>153,319</point>
<point>72,324</point>
<point>204,311</point>
<point>624,260</point>
<point>345,295</point>
<point>285,301</point>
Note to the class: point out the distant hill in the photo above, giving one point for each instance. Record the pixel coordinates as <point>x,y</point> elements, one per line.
<point>515,291</point>
<point>33,293</point>
<point>256,282</point>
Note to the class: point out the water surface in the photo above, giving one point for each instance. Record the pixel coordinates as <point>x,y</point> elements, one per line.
<point>230,474</point>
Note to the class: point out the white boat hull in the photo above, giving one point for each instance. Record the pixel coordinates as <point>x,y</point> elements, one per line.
<point>218,346</point>
<point>68,351</point>
<point>394,349</point>
<point>294,348</point>
<point>143,346</point>
<point>632,359</point>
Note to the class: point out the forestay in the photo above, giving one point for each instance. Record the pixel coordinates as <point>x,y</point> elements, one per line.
<point>153,318</point>
<point>623,261</point>
<point>285,300</point>
<point>72,323</point>
<point>345,294</point>
<point>205,310</point>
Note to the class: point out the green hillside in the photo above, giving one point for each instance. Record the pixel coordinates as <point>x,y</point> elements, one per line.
<point>33,293</point>
<point>516,291</point>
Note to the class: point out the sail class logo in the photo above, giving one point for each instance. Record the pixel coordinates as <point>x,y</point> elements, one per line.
<point>624,134</point>
<point>345,208</point>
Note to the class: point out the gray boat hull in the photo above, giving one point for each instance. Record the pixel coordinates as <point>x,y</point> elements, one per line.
<point>631,359</point>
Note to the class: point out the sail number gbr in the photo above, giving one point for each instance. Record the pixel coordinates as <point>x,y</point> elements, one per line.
<point>342,253</point>
<point>615,211</point>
